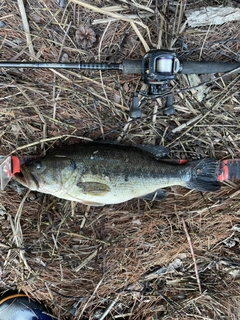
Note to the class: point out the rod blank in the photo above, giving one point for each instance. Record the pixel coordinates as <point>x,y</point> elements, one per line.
<point>203,67</point>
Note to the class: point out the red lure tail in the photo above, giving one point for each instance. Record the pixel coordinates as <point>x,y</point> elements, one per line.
<point>229,170</point>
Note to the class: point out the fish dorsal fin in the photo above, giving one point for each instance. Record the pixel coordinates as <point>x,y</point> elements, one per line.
<point>157,152</point>
<point>93,188</point>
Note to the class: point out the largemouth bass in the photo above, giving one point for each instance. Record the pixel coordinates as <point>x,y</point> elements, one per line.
<point>98,174</point>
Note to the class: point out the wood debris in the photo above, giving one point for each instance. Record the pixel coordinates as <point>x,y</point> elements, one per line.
<point>206,16</point>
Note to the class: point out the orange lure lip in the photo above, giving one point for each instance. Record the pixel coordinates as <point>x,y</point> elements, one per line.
<point>11,165</point>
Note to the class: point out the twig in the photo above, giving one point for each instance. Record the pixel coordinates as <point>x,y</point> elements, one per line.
<point>86,304</point>
<point>55,98</point>
<point>109,308</point>
<point>101,76</point>
<point>49,139</point>
<point>26,28</point>
<point>197,122</point>
<point>108,13</point>
<point>204,41</point>
<point>89,258</point>
<point>138,6</point>
<point>36,110</point>
<point>85,217</point>
<point>184,125</point>
<point>193,255</point>
<point>135,28</point>
<point>17,231</point>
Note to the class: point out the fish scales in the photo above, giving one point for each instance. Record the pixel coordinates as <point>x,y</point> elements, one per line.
<point>99,174</point>
<point>124,168</point>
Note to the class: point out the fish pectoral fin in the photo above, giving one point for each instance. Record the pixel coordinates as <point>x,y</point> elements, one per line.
<point>93,188</point>
<point>156,195</point>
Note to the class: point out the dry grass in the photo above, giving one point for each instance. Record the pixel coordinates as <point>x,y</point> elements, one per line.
<point>108,262</point>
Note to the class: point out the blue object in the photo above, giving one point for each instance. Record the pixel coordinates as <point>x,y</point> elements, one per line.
<point>21,307</point>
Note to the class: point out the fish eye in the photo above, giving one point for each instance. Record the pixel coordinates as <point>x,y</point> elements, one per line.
<point>38,165</point>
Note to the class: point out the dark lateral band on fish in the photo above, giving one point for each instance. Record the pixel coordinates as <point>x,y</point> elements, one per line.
<point>98,174</point>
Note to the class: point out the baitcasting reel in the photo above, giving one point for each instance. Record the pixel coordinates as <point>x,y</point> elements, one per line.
<point>158,68</point>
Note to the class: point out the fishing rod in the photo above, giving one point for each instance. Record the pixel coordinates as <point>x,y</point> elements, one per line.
<point>157,68</point>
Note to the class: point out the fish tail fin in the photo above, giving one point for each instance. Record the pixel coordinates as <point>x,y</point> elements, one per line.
<point>204,175</point>
<point>229,170</point>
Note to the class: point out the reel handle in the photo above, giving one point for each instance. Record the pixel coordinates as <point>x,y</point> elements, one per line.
<point>135,112</point>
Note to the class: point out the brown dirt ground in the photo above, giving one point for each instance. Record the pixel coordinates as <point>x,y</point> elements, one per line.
<point>111,259</point>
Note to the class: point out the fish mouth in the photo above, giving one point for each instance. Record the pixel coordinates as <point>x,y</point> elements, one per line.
<point>27,179</point>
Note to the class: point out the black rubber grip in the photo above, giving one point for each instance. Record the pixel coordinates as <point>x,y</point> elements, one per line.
<point>132,66</point>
